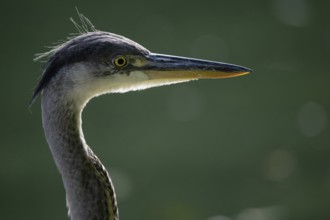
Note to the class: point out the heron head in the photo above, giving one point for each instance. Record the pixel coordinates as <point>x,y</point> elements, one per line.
<point>98,62</point>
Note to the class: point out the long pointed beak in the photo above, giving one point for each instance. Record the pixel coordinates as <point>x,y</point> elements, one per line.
<point>160,66</point>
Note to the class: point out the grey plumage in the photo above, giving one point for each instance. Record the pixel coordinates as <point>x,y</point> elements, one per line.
<point>97,47</point>
<point>90,193</point>
<point>93,64</point>
<point>89,189</point>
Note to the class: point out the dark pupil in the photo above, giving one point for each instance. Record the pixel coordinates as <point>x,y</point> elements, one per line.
<point>120,61</point>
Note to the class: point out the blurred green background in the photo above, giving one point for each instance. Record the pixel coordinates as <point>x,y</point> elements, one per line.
<point>256,147</point>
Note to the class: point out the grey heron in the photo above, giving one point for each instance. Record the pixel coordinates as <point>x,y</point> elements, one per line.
<point>88,65</point>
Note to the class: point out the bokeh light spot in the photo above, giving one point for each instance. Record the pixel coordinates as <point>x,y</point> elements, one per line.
<point>186,103</point>
<point>264,213</point>
<point>312,119</point>
<point>219,217</point>
<point>280,165</point>
<point>122,182</point>
<point>292,12</point>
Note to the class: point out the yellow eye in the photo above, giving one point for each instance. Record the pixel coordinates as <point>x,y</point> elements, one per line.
<point>120,61</point>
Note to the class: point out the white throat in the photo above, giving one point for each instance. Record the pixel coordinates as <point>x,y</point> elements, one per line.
<point>89,85</point>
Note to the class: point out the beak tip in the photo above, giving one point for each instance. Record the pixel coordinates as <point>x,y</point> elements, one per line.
<point>245,70</point>
<point>240,71</point>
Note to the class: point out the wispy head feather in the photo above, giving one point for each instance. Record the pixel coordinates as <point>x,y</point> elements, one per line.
<point>84,27</point>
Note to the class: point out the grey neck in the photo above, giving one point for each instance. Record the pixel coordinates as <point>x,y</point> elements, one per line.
<point>90,193</point>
